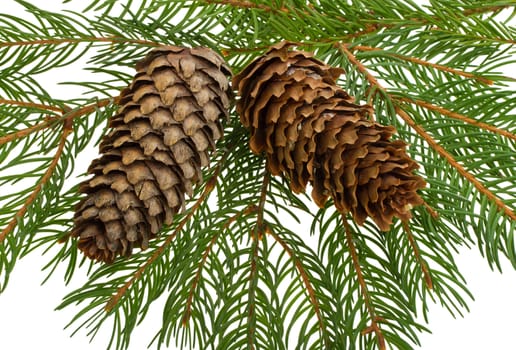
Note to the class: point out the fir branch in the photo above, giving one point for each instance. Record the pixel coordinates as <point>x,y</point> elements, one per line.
<point>209,186</point>
<point>246,5</point>
<point>431,20</point>
<point>424,63</point>
<point>50,121</point>
<point>458,116</point>
<point>260,224</point>
<point>373,82</point>
<point>479,37</point>
<point>250,209</point>
<point>369,29</point>
<point>22,133</point>
<point>431,210</point>
<point>486,9</point>
<point>451,160</point>
<point>88,109</point>
<point>67,130</point>
<point>304,277</point>
<point>374,327</point>
<point>417,255</point>
<point>31,105</point>
<point>86,39</point>
<point>25,132</point>
<point>257,234</point>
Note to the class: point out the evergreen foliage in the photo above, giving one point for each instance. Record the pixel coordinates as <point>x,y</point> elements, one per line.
<point>234,274</point>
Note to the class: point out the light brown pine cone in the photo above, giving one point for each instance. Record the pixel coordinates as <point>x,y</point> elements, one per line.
<point>167,124</point>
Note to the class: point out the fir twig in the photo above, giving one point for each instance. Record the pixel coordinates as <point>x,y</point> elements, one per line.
<point>250,209</point>
<point>486,9</point>
<point>260,224</point>
<point>431,210</point>
<point>458,116</point>
<point>304,277</point>
<point>373,82</point>
<point>23,133</point>
<point>417,255</point>
<point>257,234</point>
<point>31,105</point>
<point>88,109</point>
<point>451,160</point>
<point>253,283</point>
<point>58,41</point>
<point>246,5</point>
<point>416,21</point>
<point>424,63</point>
<point>67,116</point>
<point>374,327</point>
<point>67,130</point>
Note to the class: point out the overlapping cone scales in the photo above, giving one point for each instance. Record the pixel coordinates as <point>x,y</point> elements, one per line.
<point>280,94</point>
<point>167,124</point>
<point>365,172</point>
<point>312,132</point>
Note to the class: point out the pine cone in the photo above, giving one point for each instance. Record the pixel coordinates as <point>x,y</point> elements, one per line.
<point>279,94</point>
<point>168,121</point>
<point>312,132</point>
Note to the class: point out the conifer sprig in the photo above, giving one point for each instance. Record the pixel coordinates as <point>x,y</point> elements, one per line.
<point>231,272</point>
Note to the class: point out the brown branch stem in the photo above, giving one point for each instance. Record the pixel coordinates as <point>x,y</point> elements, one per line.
<point>431,210</point>
<point>374,327</point>
<point>58,41</point>
<point>25,132</point>
<point>65,116</point>
<point>461,117</point>
<point>361,68</point>
<point>417,255</point>
<point>482,10</point>
<point>195,282</point>
<point>246,5</point>
<point>426,63</point>
<point>257,235</point>
<point>451,160</point>
<point>261,204</point>
<point>210,185</point>
<point>90,108</point>
<point>31,105</point>
<point>67,129</point>
<point>22,133</point>
<point>373,82</point>
<point>251,317</point>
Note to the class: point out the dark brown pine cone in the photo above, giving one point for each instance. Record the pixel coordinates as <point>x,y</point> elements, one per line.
<point>312,132</point>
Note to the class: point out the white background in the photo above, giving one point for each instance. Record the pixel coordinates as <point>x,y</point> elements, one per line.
<point>28,319</point>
